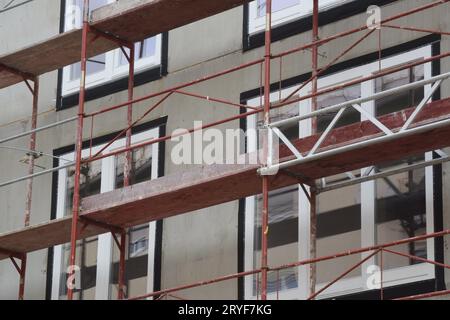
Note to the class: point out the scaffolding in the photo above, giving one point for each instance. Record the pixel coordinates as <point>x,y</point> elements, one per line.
<point>421,128</point>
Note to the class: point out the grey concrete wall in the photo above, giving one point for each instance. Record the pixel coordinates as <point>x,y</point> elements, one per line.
<point>197,245</point>
<point>21,27</point>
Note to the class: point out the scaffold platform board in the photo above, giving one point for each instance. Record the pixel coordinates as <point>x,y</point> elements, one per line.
<point>130,21</point>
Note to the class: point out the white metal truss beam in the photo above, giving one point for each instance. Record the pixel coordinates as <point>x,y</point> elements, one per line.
<point>340,108</point>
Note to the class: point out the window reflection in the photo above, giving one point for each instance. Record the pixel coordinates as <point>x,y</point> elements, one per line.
<point>86,251</point>
<point>282,238</point>
<point>137,237</point>
<point>401,212</point>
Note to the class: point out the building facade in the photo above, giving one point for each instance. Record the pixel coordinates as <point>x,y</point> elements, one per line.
<point>223,240</point>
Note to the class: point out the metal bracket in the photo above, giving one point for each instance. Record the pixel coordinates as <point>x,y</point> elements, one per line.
<point>111,37</point>
<point>356,104</point>
<point>12,254</point>
<point>88,221</point>
<point>24,75</point>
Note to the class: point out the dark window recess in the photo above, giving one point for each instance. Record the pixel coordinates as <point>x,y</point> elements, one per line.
<point>401,100</point>
<point>136,264</point>
<point>349,116</point>
<point>304,24</point>
<point>136,268</point>
<point>405,218</point>
<point>391,208</point>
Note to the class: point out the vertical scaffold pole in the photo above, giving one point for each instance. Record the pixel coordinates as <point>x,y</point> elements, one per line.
<point>31,159</point>
<point>265,178</point>
<point>79,148</point>
<point>127,170</point>
<point>313,193</point>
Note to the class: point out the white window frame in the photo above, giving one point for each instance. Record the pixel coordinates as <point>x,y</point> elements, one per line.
<point>391,277</point>
<point>113,69</point>
<point>257,24</point>
<point>105,241</point>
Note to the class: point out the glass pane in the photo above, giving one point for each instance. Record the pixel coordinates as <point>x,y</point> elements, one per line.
<point>90,182</point>
<point>282,238</point>
<point>401,212</point>
<point>138,244</point>
<point>136,265</point>
<point>138,237</point>
<point>277,5</point>
<point>327,100</point>
<point>86,260</point>
<point>144,49</point>
<point>86,255</point>
<point>338,230</point>
<point>93,4</point>
<point>95,64</point>
<point>141,166</point>
<point>402,100</point>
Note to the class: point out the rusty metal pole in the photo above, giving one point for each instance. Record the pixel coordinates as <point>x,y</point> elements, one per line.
<point>265,179</point>
<point>313,241</point>
<point>32,154</point>
<point>22,272</point>
<point>122,250</point>
<point>313,193</point>
<point>31,158</point>
<point>79,148</point>
<point>127,170</point>
<point>127,167</point>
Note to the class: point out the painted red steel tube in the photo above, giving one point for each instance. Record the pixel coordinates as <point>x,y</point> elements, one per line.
<point>168,137</point>
<point>130,126</point>
<point>79,148</point>
<point>127,168</point>
<point>122,251</point>
<point>259,61</point>
<point>32,155</point>
<point>314,295</point>
<point>22,272</point>
<point>414,29</point>
<point>198,284</point>
<point>412,257</point>
<point>265,179</point>
<point>426,295</point>
<point>299,263</point>
<point>360,80</point>
<point>312,200</point>
<point>279,105</point>
<point>208,98</point>
<point>362,28</point>
<point>31,160</point>
<point>181,86</point>
<point>317,73</point>
<point>362,250</point>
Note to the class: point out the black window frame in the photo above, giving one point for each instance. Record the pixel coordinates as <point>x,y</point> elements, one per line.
<point>108,88</point>
<point>304,24</point>
<point>408,289</point>
<point>133,264</point>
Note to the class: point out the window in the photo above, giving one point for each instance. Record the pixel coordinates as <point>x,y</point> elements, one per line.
<point>374,212</point>
<point>110,66</point>
<point>283,11</point>
<point>98,257</point>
